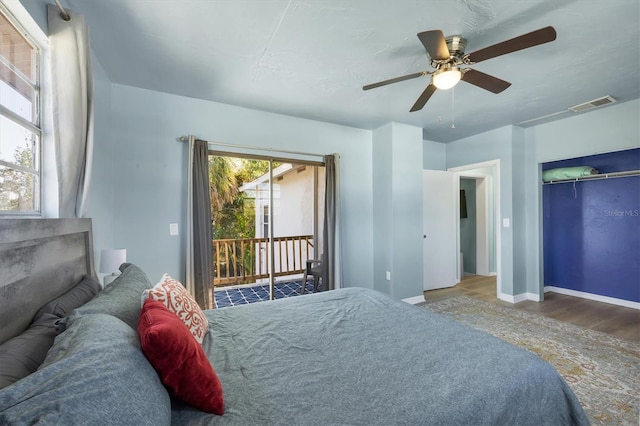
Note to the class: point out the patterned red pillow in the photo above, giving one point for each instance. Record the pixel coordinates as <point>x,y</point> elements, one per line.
<point>174,296</point>
<point>180,362</point>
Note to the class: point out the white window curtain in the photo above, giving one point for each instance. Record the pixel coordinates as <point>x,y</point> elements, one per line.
<point>72,80</point>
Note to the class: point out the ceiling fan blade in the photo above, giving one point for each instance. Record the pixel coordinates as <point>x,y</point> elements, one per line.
<point>534,38</point>
<point>394,80</point>
<point>485,81</point>
<point>424,97</point>
<point>435,44</point>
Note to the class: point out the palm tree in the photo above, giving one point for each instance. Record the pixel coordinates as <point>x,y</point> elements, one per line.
<point>232,212</point>
<point>222,182</point>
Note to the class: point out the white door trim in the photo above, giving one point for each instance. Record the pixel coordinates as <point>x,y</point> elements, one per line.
<point>495,164</point>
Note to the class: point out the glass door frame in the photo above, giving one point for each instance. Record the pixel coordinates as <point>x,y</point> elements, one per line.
<point>271,160</point>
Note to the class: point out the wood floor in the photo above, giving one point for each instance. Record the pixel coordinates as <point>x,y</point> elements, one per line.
<point>611,319</point>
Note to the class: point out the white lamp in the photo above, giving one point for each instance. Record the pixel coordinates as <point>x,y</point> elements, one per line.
<point>446,78</point>
<point>110,261</point>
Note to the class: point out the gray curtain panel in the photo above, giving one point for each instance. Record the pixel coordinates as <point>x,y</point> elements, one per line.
<point>202,250</point>
<point>329,228</point>
<point>72,109</point>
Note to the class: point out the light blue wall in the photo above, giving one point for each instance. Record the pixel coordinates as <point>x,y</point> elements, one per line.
<point>101,205</point>
<point>397,217</point>
<point>533,218</point>
<point>434,155</point>
<point>147,175</point>
<point>611,128</point>
<point>38,11</point>
<point>382,208</point>
<point>149,172</point>
<point>519,210</point>
<point>408,251</point>
<point>493,145</point>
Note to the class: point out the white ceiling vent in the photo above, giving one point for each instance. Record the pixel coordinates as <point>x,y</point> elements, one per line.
<point>606,100</point>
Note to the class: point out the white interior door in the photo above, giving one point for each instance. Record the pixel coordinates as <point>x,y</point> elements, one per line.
<point>440,197</point>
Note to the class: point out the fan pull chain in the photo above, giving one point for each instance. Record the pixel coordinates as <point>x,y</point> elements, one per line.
<point>453,108</point>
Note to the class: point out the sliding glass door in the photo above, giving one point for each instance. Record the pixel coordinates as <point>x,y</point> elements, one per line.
<point>267,217</point>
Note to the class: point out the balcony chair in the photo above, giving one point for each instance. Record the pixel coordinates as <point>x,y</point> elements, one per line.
<point>314,268</point>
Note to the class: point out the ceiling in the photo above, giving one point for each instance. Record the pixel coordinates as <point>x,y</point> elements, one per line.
<point>310,58</point>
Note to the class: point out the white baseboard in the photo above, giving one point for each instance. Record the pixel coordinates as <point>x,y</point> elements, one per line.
<point>534,297</point>
<point>414,300</point>
<point>591,296</point>
<point>517,298</point>
<point>506,297</point>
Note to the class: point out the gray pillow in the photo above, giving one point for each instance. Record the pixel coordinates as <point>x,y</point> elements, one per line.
<point>120,298</point>
<point>23,354</point>
<point>62,306</point>
<point>95,373</point>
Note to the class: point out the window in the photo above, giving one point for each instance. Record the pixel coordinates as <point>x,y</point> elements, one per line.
<point>20,130</point>
<point>265,221</point>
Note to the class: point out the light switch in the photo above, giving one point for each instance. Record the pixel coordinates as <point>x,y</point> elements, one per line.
<point>173,229</point>
<point>388,276</point>
<point>505,222</point>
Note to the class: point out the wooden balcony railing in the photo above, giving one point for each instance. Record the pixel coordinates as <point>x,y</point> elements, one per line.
<point>242,261</point>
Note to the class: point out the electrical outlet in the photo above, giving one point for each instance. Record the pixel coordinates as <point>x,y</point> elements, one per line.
<point>173,229</point>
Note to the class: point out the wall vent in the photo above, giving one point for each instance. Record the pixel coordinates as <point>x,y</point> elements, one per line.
<point>596,103</point>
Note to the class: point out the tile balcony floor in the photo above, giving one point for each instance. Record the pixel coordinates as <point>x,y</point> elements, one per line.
<point>241,295</point>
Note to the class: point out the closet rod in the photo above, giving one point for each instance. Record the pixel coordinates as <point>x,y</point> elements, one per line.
<point>257,148</point>
<point>597,177</point>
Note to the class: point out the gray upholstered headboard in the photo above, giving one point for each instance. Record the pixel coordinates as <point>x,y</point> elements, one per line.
<point>40,259</point>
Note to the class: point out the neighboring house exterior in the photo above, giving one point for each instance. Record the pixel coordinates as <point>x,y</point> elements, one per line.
<point>298,195</point>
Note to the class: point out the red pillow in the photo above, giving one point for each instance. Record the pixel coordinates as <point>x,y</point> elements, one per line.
<point>178,359</point>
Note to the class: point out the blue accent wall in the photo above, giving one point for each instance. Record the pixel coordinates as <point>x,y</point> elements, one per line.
<point>592,228</point>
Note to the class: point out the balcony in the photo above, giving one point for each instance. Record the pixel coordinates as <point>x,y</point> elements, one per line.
<point>246,260</point>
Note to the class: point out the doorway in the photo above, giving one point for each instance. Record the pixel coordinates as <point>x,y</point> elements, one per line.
<point>474,224</point>
<point>267,217</point>
<point>483,179</point>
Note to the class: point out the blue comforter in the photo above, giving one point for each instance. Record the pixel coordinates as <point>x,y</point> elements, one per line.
<point>358,357</point>
<point>345,357</point>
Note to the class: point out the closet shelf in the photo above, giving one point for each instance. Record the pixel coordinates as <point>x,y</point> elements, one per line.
<point>597,177</point>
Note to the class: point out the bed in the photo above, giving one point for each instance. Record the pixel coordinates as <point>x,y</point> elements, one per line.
<point>351,356</point>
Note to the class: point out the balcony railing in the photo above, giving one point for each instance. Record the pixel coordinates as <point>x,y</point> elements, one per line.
<point>245,260</point>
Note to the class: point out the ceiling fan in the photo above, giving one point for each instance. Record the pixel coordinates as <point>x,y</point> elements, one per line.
<point>447,54</point>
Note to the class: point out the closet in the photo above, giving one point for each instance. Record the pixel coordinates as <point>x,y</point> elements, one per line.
<point>591,226</point>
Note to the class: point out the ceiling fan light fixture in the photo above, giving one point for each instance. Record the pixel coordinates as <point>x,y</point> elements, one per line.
<point>446,54</point>
<point>446,78</point>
